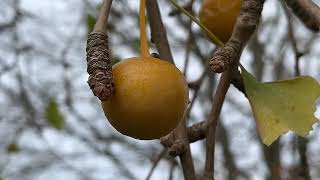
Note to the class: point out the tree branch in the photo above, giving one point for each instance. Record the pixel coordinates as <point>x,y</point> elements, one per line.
<point>158,31</point>
<point>307,11</point>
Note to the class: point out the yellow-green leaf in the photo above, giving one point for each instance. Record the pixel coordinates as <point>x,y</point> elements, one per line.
<point>54,116</point>
<point>281,106</point>
<point>12,148</point>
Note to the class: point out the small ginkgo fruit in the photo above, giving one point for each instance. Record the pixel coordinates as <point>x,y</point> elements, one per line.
<point>151,95</point>
<point>150,98</point>
<point>220,16</point>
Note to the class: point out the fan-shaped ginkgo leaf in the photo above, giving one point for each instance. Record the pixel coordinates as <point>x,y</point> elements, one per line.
<point>281,106</point>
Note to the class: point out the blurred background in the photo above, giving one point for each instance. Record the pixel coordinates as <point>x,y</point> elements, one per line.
<point>52,127</point>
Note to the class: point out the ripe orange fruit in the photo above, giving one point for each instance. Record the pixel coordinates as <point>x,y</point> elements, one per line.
<point>220,16</point>
<point>149,100</point>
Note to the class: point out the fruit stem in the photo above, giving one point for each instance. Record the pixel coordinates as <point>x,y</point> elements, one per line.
<point>211,36</point>
<point>144,48</point>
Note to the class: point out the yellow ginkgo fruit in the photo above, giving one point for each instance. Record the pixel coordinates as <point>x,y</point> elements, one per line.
<point>220,16</point>
<point>149,100</point>
<point>150,97</point>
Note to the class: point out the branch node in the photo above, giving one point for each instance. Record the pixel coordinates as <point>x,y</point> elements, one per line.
<point>224,57</point>
<point>177,148</point>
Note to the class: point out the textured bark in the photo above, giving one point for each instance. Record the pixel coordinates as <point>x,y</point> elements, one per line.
<point>246,25</point>
<point>99,65</point>
<point>98,57</point>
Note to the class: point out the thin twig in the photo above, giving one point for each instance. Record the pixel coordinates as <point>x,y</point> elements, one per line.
<point>297,53</point>
<point>156,162</point>
<point>102,20</point>
<point>188,48</point>
<point>158,31</point>
<point>218,100</point>
<point>307,11</point>
<point>171,170</point>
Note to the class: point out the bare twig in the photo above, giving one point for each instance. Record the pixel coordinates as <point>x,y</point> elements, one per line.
<point>102,20</point>
<point>156,162</point>
<point>158,31</point>
<point>218,100</point>
<point>188,48</point>
<point>171,170</point>
<point>297,53</point>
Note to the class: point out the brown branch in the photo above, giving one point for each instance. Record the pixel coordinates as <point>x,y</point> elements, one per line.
<point>227,59</point>
<point>98,57</point>
<point>188,48</point>
<point>158,34</point>
<point>189,40</point>
<point>307,11</point>
<point>102,20</point>
<point>195,133</point>
<point>218,100</point>
<point>158,31</point>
